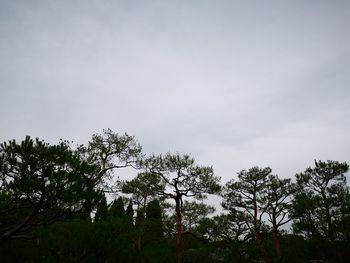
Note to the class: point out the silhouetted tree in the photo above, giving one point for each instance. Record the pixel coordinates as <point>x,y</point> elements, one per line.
<point>193,212</point>
<point>246,195</point>
<point>129,213</point>
<point>153,225</point>
<point>40,184</point>
<point>277,199</point>
<point>318,208</point>
<point>102,210</point>
<point>116,209</point>
<point>321,193</point>
<point>228,231</point>
<point>182,178</point>
<point>143,188</point>
<point>109,151</point>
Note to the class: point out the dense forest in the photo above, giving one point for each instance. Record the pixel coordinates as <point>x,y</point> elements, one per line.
<point>66,203</point>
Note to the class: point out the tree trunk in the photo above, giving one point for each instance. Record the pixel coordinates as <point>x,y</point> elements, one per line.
<point>87,205</point>
<point>178,230</point>
<point>328,217</point>
<point>258,236</point>
<point>276,239</point>
<point>139,228</point>
<point>261,246</point>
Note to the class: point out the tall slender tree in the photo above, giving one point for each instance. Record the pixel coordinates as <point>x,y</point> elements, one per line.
<point>182,179</point>
<point>153,232</point>
<point>116,209</point>
<point>322,191</point>
<point>193,212</point>
<point>144,188</point>
<point>102,210</point>
<point>109,151</point>
<point>277,199</point>
<point>247,195</point>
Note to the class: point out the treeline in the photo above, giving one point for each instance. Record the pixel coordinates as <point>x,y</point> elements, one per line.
<point>54,208</point>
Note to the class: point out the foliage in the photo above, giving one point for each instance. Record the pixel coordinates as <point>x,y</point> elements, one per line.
<point>277,201</point>
<point>116,209</point>
<point>143,188</point>
<point>102,210</point>
<point>182,178</point>
<point>107,152</point>
<point>193,213</point>
<point>48,192</point>
<point>322,193</point>
<point>180,173</point>
<point>247,196</point>
<point>40,183</point>
<point>153,226</point>
<point>110,151</point>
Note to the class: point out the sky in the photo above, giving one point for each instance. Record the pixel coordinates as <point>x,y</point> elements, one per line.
<point>236,84</point>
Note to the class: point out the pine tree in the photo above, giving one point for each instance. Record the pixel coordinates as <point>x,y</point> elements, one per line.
<point>117,208</point>
<point>153,228</point>
<point>102,210</point>
<point>130,213</point>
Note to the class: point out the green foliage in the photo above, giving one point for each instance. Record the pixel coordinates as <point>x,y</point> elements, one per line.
<point>83,241</point>
<point>143,186</point>
<point>181,171</point>
<point>228,233</point>
<point>153,210</point>
<point>153,225</point>
<point>107,152</point>
<point>247,196</point>
<point>322,193</point>
<point>182,178</point>
<point>102,210</point>
<point>129,210</point>
<point>110,151</point>
<point>47,193</point>
<point>116,209</point>
<point>193,213</point>
<point>277,200</point>
<point>248,191</point>
<point>41,183</point>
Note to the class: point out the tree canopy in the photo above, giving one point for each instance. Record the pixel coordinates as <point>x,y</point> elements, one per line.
<point>61,203</point>
<point>40,183</point>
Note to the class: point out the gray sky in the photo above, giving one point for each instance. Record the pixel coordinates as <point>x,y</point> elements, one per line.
<point>234,83</point>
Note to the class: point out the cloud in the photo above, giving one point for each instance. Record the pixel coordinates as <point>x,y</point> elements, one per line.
<point>234,84</point>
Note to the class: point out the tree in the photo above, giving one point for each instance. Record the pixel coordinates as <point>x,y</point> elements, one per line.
<point>343,221</point>
<point>130,210</point>
<point>182,178</point>
<point>143,188</point>
<point>229,231</point>
<point>116,209</point>
<point>153,232</point>
<point>277,203</point>
<point>230,227</point>
<point>193,213</point>
<point>322,191</point>
<point>109,151</point>
<point>247,195</point>
<point>102,210</point>
<point>40,183</point>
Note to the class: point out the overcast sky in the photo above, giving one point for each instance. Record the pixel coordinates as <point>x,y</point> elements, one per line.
<point>234,83</point>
